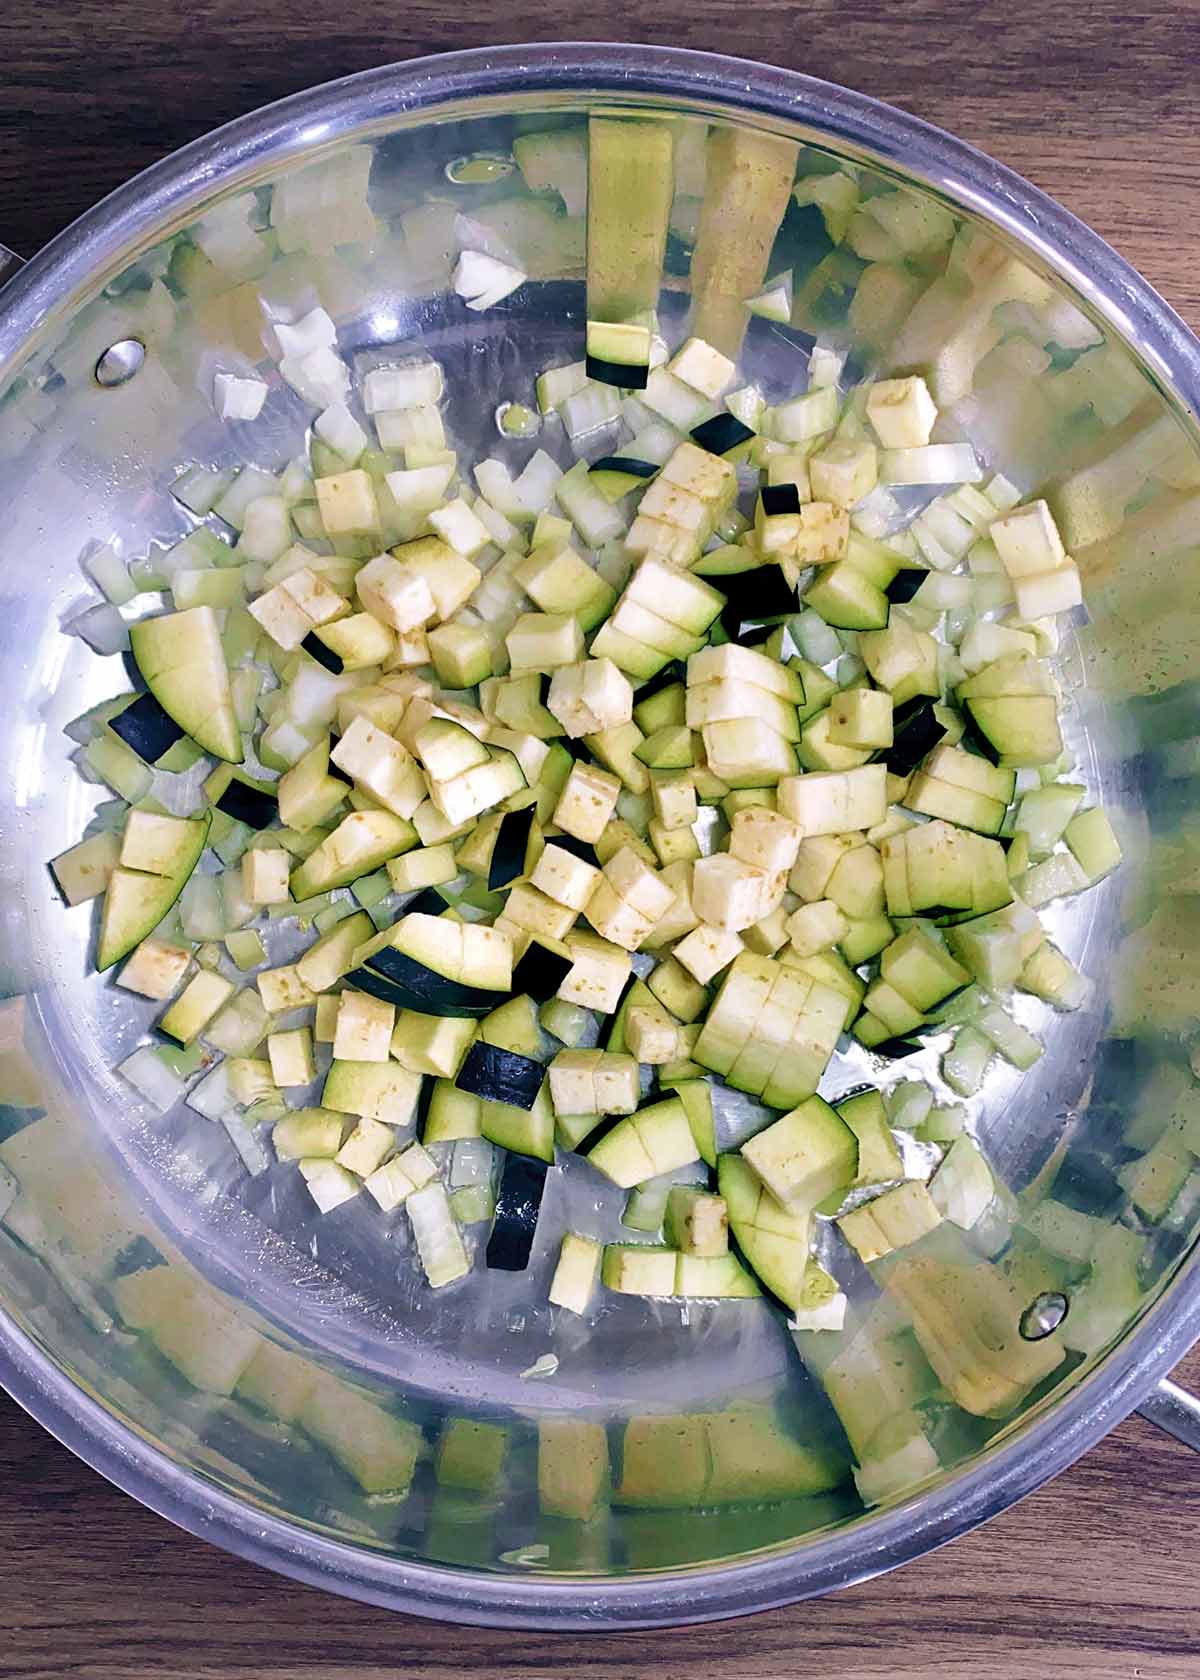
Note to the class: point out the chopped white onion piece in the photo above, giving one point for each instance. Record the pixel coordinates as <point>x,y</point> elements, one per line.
<point>420,489</point>
<point>502,531</point>
<point>477,238</point>
<point>313,695</point>
<point>481,280</point>
<point>951,670</point>
<point>1001,492</point>
<point>228,239</point>
<point>249,484</point>
<point>534,488</point>
<point>1068,326</point>
<point>439,1242</point>
<point>110,573</point>
<point>941,527</point>
<point>589,411</point>
<point>746,405</point>
<point>545,1365</point>
<point>942,592</point>
<point>824,365</point>
<point>878,514</point>
<point>341,431</point>
<point>102,628</point>
<point>472,1162</point>
<point>329,1185</point>
<point>200,488</point>
<point>936,463</point>
<point>267,531</point>
<point>830,1315</point>
<point>320,377</point>
<point>285,740</point>
<point>556,162</point>
<point>774,302</point>
<point>314,331</point>
<point>152,1079</point>
<point>255,1157</point>
<point>532,1554</point>
<point>236,398</point>
<point>212,1096</point>
<point>325,205</point>
<point>496,483</point>
<point>295,481</point>
<point>405,428</point>
<point>411,386</point>
<point>816,641</point>
<point>656,442</point>
<point>200,910</point>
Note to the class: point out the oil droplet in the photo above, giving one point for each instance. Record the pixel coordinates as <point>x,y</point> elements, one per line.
<point>515,420</point>
<point>479,169</point>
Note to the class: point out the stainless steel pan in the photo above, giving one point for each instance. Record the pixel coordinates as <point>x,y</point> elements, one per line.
<point>96,1183</point>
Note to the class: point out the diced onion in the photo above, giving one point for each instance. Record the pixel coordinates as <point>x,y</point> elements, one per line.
<point>878,514</point>
<point>481,280</point>
<point>102,628</point>
<point>589,411</point>
<point>319,377</point>
<point>337,427</point>
<point>147,1074</point>
<point>212,1096</point>
<point>110,574</point>
<point>238,399</point>
<point>936,463</point>
<point>472,1162</point>
<point>314,331</point>
<point>412,385</point>
<point>816,641</point>
<point>496,483</point>
<point>256,1157</point>
<point>534,489</point>
<point>248,486</point>
<point>200,909</point>
<point>545,1365</point>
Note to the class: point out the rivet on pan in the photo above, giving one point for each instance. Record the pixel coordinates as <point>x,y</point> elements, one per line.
<point>120,362</point>
<point>1043,1315</point>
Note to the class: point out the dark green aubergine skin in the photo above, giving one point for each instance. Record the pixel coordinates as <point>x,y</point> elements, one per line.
<point>518,1204</point>
<point>540,972</point>
<point>146,729</point>
<point>499,1075</point>
<point>508,852</point>
<point>408,984</point>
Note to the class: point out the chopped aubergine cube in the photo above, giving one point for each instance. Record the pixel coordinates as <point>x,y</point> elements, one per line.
<point>805,1156</point>
<point>581,788</point>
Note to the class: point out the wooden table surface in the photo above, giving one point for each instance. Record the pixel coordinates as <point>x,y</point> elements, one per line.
<point>1095,1575</point>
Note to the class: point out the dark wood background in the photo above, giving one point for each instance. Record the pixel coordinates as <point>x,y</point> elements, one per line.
<point>1095,1575</point>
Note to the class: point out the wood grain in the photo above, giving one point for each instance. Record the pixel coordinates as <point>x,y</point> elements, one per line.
<point>1096,104</point>
<point>1093,1576</point>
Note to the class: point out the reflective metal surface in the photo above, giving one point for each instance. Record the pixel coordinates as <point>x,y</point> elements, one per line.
<point>1086,392</point>
<point>120,363</point>
<point>1044,1315</point>
<point>1172,1408</point>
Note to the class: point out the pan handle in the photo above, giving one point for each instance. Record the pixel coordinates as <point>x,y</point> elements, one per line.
<point>1172,1408</point>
